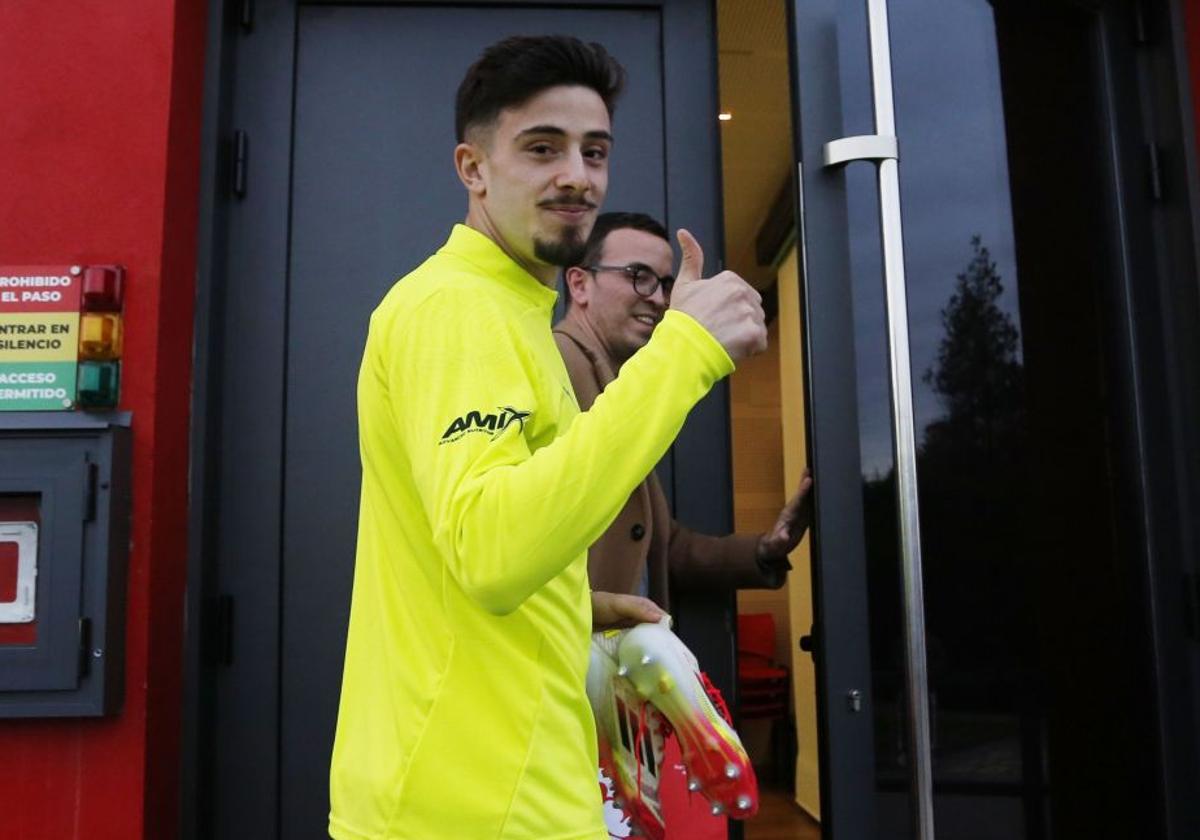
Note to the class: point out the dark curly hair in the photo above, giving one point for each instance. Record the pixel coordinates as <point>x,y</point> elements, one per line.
<point>516,69</point>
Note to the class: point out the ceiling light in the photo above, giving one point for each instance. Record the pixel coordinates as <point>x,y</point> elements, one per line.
<point>724,116</point>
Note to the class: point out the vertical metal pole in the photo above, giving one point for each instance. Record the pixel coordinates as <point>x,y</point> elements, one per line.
<point>903,426</point>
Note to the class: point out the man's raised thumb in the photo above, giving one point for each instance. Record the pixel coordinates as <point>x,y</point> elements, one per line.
<point>691,264</point>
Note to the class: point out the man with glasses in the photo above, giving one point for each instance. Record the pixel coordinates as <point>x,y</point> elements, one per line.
<point>618,293</point>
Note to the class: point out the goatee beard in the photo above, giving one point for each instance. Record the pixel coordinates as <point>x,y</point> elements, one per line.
<point>565,252</point>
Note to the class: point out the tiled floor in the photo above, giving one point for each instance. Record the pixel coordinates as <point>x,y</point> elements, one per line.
<point>779,818</point>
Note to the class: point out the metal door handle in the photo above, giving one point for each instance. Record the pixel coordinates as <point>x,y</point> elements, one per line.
<point>875,147</point>
<point>881,148</point>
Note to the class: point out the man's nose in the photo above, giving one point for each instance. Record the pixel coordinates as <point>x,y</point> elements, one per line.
<point>574,173</point>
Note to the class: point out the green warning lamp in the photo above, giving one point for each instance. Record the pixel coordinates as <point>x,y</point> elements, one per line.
<point>99,384</point>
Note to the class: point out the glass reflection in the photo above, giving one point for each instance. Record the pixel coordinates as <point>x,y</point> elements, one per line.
<point>1003,196</point>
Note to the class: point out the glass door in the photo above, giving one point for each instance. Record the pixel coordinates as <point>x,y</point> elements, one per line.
<point>978,575</point>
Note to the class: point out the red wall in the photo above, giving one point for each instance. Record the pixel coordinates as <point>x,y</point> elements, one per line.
<point>100,105</point>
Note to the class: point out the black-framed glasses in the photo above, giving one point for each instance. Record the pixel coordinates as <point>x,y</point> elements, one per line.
<point>645,281</point>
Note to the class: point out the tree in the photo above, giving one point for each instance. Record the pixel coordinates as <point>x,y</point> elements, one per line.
<point>970,471</point>
<point>977,372</point>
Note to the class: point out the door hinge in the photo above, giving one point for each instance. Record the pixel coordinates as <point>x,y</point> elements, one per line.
<point>241,150</point>
<point>245,14</point>
<point>218,633</point>
<point>808,643</point>
<point>1191,604</point>
<point>85,646</point>
<point>1154,171</point>
<point>1141,26</point>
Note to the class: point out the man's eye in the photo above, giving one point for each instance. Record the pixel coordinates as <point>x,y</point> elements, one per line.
<point>542,149</point>
<point>598,153</point>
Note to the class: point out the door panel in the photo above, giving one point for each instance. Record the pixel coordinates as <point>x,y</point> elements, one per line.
<point>374,192</point>
<point>1033,583</point>
<point>347,114</point>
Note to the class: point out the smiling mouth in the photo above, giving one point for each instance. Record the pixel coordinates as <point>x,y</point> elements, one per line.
<point>648,320</point>
<point>568,202</point>
<point>565,210</point>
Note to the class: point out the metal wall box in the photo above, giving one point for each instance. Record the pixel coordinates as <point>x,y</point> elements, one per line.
<point>64,493</point>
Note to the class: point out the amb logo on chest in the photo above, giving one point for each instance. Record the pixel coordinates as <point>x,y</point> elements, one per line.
<point>476,422</point>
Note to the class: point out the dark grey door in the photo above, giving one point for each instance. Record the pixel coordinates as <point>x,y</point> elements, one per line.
<point>983,399</point>
<point>341,119</point>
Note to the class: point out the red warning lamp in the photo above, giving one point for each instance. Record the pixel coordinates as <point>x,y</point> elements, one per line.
<point>103,288</point>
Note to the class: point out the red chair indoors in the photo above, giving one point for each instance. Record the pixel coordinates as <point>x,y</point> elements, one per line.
<point>764,690</point>
<point>762,682</point>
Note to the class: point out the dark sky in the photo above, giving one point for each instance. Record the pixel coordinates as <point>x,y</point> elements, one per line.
<point>953,185</point>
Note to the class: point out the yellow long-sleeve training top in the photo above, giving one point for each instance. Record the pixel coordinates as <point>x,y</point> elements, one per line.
<point>463,713</point>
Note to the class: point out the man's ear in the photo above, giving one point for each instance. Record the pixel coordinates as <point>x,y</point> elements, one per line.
<point>470,165</point>
<point>577,285</point>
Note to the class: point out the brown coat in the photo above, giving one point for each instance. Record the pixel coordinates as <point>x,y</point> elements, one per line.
<point>644,536</point>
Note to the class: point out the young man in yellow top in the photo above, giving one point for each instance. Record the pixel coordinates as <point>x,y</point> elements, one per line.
<point>463,712</point>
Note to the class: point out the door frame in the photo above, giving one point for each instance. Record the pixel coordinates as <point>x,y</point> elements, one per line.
<point>1163,420</point>
<point>837,586</point>
<point>840,650</point>
<point>250,57</point>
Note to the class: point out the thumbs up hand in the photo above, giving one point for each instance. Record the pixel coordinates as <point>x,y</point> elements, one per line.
<point>725,304</point>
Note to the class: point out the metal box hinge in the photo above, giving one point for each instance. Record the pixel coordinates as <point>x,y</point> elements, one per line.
<point>89,492</point>
<point>85,646</point>
<point>240,152</point>
<point>218,635</point>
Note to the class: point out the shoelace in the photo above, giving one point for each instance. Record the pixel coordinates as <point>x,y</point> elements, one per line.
<point>714,694</point>
<point>637,746</point>
<point>640,739</point>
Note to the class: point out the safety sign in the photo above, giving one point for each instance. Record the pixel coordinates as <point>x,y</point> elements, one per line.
<point>39,337</point>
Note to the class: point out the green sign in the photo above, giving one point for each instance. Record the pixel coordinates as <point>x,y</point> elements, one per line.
<point>37,386</point>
